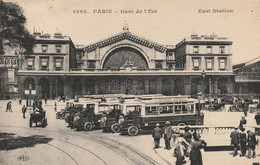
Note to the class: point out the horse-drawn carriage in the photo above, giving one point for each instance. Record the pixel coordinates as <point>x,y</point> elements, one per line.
<point>38,116</point>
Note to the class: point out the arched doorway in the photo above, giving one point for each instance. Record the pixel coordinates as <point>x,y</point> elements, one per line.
<point>128,86</point>
<point>58,88</point>
<point>179,86</point>
<point>222,85</point>
<point>152,89</point>
<point>125,55</point>
<point>196,87</point>
<point>166,87</point>
<point>29,82</point>
<point>115,86</point>
<point>44,88</point>
<point>77,86</point>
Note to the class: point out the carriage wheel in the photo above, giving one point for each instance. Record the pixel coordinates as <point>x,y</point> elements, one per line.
<point>133,131</point>
<point>58,115</point>
<point>115,128</point>
<point>88,126</point>
<point>30,123</point>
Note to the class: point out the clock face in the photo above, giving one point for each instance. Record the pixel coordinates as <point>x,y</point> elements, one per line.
<point>122,56</point>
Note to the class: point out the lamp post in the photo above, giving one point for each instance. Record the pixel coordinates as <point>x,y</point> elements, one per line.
<point>30,94</point>
<point>199,96</point>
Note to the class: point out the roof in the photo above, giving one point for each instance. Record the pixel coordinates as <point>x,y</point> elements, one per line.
<point>126,35</point>
<point>245,64</point>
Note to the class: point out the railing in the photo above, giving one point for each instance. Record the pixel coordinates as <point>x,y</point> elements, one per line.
<point>9,61</point>
<point>215,135</point>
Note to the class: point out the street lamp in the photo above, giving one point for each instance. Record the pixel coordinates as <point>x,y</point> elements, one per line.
<point>30,94</point>
<point>199,96</point>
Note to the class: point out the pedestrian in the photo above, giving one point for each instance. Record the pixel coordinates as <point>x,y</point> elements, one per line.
<point>180,149</point>
<point>245,108</point>
<point>251,140</point>
<point>167,135</point>
<point>257,118</point>
<point>45,99</point>
<point>195,134</point>
<point>10,106</point>
<point>157,135</point>
<point>187,136</point>
<point>55,107</point>
<point>195,154</point>
<point>103,120</point>
<point>242,122</point>
<point>7,106</point>
<point>235,140</point>
<point>20,101</point>
<point>242,141</point>
<point>23,110</point>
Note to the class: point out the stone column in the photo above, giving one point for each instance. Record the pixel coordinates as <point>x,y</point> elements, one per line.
<point>172,87</point>
<point>216,87</point>
<point>216,63</point>
<point>37,63</point>
<point>51,63</point>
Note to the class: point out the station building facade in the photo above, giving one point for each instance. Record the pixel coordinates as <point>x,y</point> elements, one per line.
<point>128,64</point>
<point>247,78</point>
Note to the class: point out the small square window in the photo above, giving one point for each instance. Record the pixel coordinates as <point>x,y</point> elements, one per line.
<point>91,64</point>
<point>158,65</point>
<point>222,64</point>
<point>44,48</point>
<point>196,63</point>
<point>221,50</point>
<point>209,64</point>
<point>58,49</point>
<point>196,49</point>
<point>209,49</point>
<point>30,63</point>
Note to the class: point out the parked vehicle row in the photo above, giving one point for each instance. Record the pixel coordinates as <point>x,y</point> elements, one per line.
<point>131,114</point>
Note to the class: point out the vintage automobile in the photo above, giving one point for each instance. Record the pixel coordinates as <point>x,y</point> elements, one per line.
<point>217,104</point>
<point>143,115</point>
<point>38,116</point>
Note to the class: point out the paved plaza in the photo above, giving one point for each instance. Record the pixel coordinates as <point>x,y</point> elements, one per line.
<point>59,144</point>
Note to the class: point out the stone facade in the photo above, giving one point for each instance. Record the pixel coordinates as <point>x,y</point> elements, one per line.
<point>129,64</point>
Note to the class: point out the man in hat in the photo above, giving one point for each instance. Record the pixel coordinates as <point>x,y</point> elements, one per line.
<point>242,122</point>
<point>242,141</point>
<point>235,140</point>
<point>251,143</point>
<point>157,135</point>
<point>167,135</point>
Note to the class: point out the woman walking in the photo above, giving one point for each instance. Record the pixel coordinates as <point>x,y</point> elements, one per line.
<point>195,154</point>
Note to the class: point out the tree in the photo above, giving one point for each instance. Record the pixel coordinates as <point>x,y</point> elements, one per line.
<point>13,30</point>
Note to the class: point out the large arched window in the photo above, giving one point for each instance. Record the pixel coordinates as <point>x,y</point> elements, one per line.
<point>125,55</point>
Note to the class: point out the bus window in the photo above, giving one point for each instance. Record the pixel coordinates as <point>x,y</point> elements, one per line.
<point>165,109</point>
<point>103,108</point>
<point>177,109</point>
<point>192,108</point>
<point>90,106</point>
<point>151,110</point>
<point>184,109</point>
<point>130,109</point>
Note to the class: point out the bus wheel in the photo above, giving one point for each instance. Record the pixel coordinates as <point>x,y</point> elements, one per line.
<point>114,127</point>
<point>133,131</point>
<point>88,126</point>
<point>181,124</point>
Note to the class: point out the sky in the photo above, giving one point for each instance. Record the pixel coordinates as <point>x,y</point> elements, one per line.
<point>169,21</point>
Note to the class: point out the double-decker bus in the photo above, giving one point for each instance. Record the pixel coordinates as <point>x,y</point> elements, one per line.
<point>142,115</point>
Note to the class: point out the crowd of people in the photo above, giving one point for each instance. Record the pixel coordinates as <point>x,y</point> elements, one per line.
<point>184,144</point>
